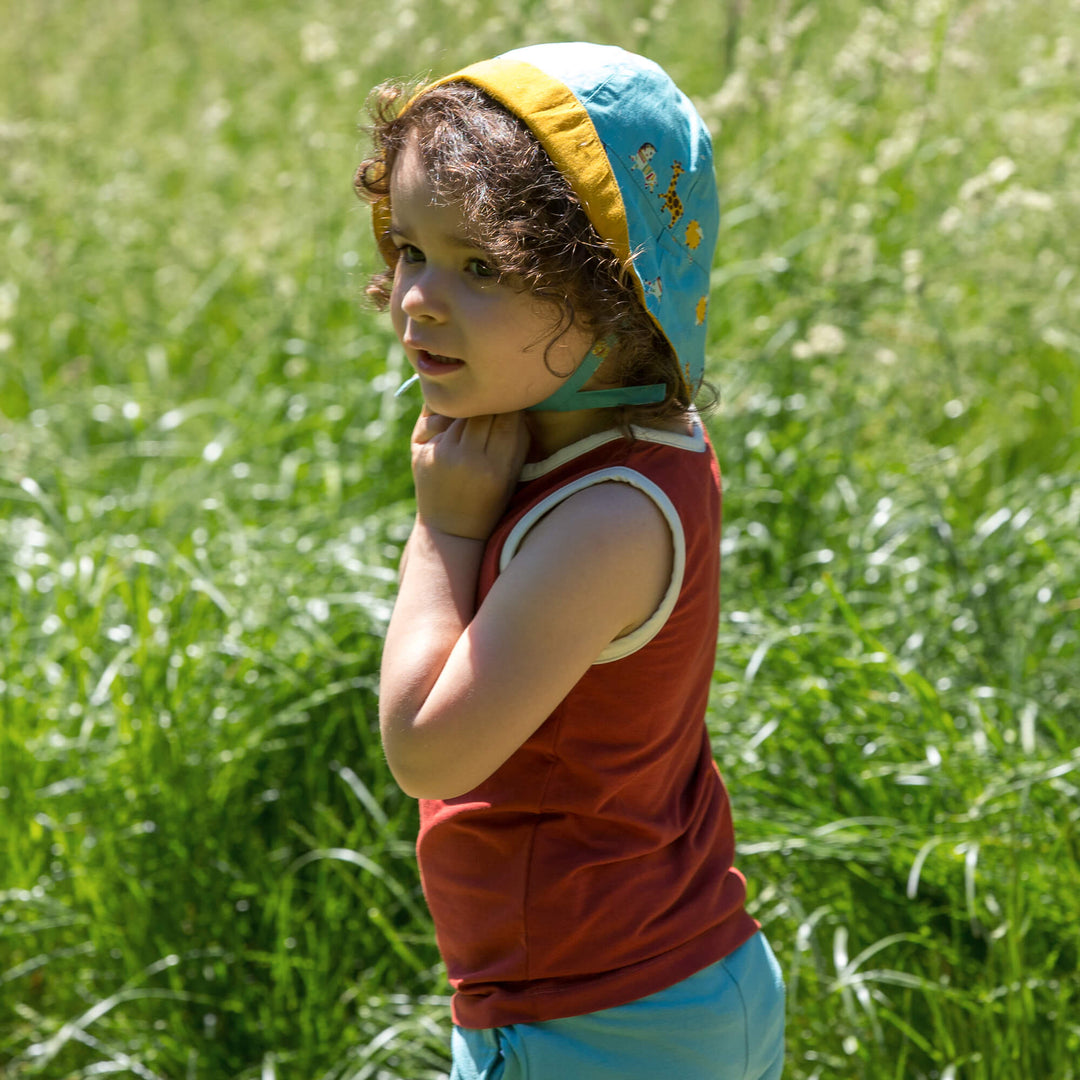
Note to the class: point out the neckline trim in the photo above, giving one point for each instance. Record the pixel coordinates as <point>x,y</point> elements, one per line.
<point>693,442</point>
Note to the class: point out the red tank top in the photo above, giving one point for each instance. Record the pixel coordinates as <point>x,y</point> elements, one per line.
<point>595,866</point>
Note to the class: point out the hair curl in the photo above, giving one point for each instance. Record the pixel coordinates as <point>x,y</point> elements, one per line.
<point>525,215</point>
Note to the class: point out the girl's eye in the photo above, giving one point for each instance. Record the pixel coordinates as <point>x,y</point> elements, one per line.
<point>410,253</point>
<point>481,269</point>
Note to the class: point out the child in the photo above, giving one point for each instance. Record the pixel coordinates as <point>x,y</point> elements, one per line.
<point>547,666</point>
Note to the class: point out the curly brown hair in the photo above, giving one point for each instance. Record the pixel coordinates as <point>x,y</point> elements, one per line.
<point>526,217</point>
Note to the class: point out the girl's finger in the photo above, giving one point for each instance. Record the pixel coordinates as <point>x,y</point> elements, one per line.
<point>509,437</point>
<point>497,432</point>
<point>429,424</point>
<point>508,425</point>
<point>475,433</point>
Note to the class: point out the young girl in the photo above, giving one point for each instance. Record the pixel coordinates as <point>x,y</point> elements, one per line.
<point>548,219</point>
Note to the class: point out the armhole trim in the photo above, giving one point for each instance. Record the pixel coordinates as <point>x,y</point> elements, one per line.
<point>642,635</point>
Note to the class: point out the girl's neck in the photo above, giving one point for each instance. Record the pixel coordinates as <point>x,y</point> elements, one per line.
<point>552,431</point>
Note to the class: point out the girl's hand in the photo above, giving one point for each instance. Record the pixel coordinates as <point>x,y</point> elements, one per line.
<point>465,470</point>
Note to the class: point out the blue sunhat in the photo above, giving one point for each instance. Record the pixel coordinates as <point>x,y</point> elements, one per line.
<point>639,157</point>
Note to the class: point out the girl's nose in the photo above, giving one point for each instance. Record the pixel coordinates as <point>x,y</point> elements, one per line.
<point>424,300</point>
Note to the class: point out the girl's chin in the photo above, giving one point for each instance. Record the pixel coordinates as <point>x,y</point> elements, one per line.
<point>444,405</point>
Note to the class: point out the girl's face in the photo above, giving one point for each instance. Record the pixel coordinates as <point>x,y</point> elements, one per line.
<point>477,344</point>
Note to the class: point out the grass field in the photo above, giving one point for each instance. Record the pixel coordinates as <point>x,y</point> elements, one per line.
<point>205,869</point>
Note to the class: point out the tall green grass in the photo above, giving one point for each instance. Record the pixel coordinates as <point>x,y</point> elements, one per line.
<point>205,869</point>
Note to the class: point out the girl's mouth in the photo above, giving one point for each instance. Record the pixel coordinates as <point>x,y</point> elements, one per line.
<point>433,363</point>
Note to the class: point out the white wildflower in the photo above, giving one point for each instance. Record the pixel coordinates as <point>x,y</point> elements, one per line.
<point>1017,197</point>
<point>927,12</point>
<point>215,114</point>
<point>996,173</point>
<point>9,299</point>
<point>861,215</point>
<point>911,262</point>
<point>1064,57</point>
<point>963,60</point>
<point>867,46</point>
<point>900,145</point>
<point>1000,169</point>
<point>734,94</point>
<point>824,339</point>
<point>950,220</point>
<point>317,43</point>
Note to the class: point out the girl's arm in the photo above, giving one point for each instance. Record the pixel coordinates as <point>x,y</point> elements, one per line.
<point>462,689</point>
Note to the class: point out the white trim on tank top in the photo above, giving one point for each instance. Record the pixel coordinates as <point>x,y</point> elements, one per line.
<point>643,634</point>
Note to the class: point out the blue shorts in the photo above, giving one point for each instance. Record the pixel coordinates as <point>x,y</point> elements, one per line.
<point>724,1023</point>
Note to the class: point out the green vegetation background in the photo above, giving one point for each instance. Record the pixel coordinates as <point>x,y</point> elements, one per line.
<point>205,870</point>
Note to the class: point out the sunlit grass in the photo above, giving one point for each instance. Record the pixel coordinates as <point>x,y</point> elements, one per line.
<point>205,868</point>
